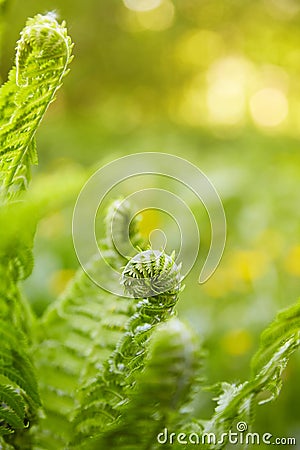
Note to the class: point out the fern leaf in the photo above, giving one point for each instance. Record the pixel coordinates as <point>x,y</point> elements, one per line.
<point>277,344</point>
<point>43,53</point>
<point>72,332</point>
<point>102,397</point>
<point>78,334</point>
<point>122,228</point>
<point>42,58</point>
<point>17,382</point>
<point>161,390</point>
<point>236,402</point>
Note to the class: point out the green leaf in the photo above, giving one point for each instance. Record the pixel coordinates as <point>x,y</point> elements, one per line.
<point>237,402</point>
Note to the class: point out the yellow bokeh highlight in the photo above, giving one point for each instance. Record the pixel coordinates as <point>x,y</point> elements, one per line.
<point>292,261</point>
<point>248,265</point>
<point>59,280</point>
<point>226,102</point>
<point>235,273</point>
<point>157,19</point>
<point>141,5</point>
<point>149,221</point>
<point>52,226</point>
<point>226,90</point>
<point>237,342</point>
<point>222,282</point>
<point>269,107</point>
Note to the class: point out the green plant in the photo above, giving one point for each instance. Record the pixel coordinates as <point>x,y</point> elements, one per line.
<point>97,370</point>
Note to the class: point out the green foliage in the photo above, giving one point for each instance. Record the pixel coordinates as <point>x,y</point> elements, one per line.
<point>237,402</point>
<point>43,53</point>
<point>101,398</point>
<point>42,58</point>
<point>110,372</point>
<point>161,390</point>
<point>78,333</point>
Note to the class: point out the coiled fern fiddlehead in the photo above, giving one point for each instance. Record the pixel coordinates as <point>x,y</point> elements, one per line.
<point>153,279</point>
<point>43,54</point>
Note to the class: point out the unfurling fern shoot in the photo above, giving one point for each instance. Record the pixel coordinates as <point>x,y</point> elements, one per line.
<point>154,280</point>
<point>44,52</point>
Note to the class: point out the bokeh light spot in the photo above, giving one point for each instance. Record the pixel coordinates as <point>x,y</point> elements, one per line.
<point>142,5</point>
<point>292,262</point>
<point>283,9</point>
<point>59,280</point>
<point>237,342</point>
<point>149,220</point>
<point>269,107</point>
<point>226,96</point>
<point>157,19</point>
<point>248,265</point>
<point>226,101</point>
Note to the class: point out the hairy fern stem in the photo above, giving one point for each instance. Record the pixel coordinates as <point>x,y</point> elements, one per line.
<point>102,398</point>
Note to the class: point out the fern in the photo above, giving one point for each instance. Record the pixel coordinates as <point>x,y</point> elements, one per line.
<point>43,53</point>
<point>112,372</point>
<point>79,332</point>
<point>121,229</point>
<point>161,390</point>
<point>101,399</point>
<point>42,58</point>
<point>237,402</point>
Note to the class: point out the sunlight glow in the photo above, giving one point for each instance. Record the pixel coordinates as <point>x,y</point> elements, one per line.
<point>269,107</point>
<point>226,96</point>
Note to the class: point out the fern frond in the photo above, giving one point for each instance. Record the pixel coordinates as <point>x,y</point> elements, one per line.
<point>161,390</point>
<point>42,58</point>
<point>122,228</point>
<point>19,398</point>
<point>75,338</point>
<point>102,397</point>
<point>277,344</point>
<point>79,332</point>
<point>237,402</point>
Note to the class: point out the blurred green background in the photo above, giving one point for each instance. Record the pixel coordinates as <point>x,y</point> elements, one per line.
<point>216,82</point>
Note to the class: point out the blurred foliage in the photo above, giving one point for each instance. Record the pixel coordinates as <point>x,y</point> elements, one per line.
<point>209,81</point>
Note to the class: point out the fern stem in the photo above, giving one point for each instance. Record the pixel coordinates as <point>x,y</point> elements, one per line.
<point>101,399</point>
